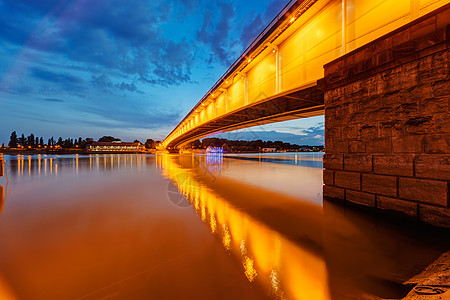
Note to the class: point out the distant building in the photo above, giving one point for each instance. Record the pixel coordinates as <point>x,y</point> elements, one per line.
<point>115,146</point>
<point>269,149</point>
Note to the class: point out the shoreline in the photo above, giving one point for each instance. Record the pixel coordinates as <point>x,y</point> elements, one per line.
<point>153,151</point>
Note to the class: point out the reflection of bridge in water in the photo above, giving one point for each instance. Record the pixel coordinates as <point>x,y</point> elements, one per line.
<point>294,249</point>
<point>377,70</point>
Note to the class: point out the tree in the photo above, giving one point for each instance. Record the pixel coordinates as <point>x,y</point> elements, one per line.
<point>36,143</point>
<point>60,141</point>
<point>13,140</point>
<point>22,140</point>
<point>137,141</point>
<point>150,144</point>
<point>108,138</point>
<point>41,142</point>
<point>196,144</point>
<point>30,140</point>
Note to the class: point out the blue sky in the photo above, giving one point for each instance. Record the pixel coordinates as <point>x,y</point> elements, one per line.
<point>131,69</point>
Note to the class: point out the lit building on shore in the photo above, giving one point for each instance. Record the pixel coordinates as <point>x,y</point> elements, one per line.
<point>115,146</point>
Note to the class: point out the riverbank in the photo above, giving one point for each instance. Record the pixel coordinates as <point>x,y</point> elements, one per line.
<point>66,151</point>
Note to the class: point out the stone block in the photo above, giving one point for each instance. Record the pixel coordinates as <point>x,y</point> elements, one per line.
<point>442,19</point>
<point>407,110</point>
<point>358,162</point>
<point>437,143</point>
<point>334,192</point>
<point>419,125</point>
<point>350,180</point>
<point>424,27</point>
<point>379,184</point>
<point>396,164</point>
<point>328,177</point>
<point>329,145</point>
<point>333,132</point>
<point>360,198</point>
<point>403,49</point>
<point>390,128</point>
<point>407,144</point>
<point>356,147</point>
<point>333,161</point>
<point>433,166</point>
<point>379,145</point>
<point>423,190</point>
<point>376,114</point>
<point>442,123</point>
<point>437,216</point>
<point>368,131</point>
<point>398,205</point>
<point>341,146</point>
<point>430,39</point>
<point>400,38</point>
<point>350,132</point>
<point>433,105</point>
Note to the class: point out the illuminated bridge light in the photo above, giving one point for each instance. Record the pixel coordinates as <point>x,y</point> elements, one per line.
<point>308,34</point>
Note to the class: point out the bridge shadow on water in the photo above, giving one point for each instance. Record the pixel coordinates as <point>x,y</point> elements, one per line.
<point>299,250</point>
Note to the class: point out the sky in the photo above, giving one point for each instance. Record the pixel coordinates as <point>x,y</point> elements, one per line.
<point>130,69</point>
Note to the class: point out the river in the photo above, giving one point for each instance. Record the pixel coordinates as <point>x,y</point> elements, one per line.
<point>250,226</point>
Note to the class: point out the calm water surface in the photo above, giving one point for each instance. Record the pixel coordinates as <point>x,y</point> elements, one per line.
<point>194,227</point>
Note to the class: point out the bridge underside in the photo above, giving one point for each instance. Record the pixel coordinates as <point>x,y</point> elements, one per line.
<point>303,103</point>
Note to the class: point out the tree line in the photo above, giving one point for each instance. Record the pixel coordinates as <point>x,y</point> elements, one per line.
<point>245,146</point>
<point>32,141</point>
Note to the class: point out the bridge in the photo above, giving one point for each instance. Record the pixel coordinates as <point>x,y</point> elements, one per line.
<point>377,70</point>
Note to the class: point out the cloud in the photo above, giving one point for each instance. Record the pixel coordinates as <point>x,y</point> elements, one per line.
<point>251,30</point>
<point>103,83</point>
<point>124,37</point>
<point>258,21</point>
<point>58,82</point>
<point>216,34</point>
<point>312,136</point>
<point>51,100</point>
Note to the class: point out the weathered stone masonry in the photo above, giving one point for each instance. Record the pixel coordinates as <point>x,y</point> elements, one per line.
<point>387,122</point>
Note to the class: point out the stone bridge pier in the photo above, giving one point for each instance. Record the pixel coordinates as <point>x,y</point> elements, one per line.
<point>387,122</point>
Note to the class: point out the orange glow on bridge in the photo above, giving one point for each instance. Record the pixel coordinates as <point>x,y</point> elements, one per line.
<point>288,58</point>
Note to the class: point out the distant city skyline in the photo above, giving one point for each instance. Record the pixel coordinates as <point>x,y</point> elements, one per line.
<point>126,69</point>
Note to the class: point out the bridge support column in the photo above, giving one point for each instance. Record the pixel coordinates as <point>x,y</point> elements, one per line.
<point>387,122</point>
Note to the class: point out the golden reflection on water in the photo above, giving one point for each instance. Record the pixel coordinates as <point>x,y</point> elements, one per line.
<point>267,257</point>
<point>43,164</point>
<point>293,248</point>
<point>2,198</point>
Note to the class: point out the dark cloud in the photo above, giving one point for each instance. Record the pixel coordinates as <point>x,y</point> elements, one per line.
<point>51,100</point>
<point>256,22</point>
<point>216,34</point>
<point>128,115</point>
<point>63,82</point>
<point>252,30</point>
<point>122,36</point>
<point>103,83</point>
